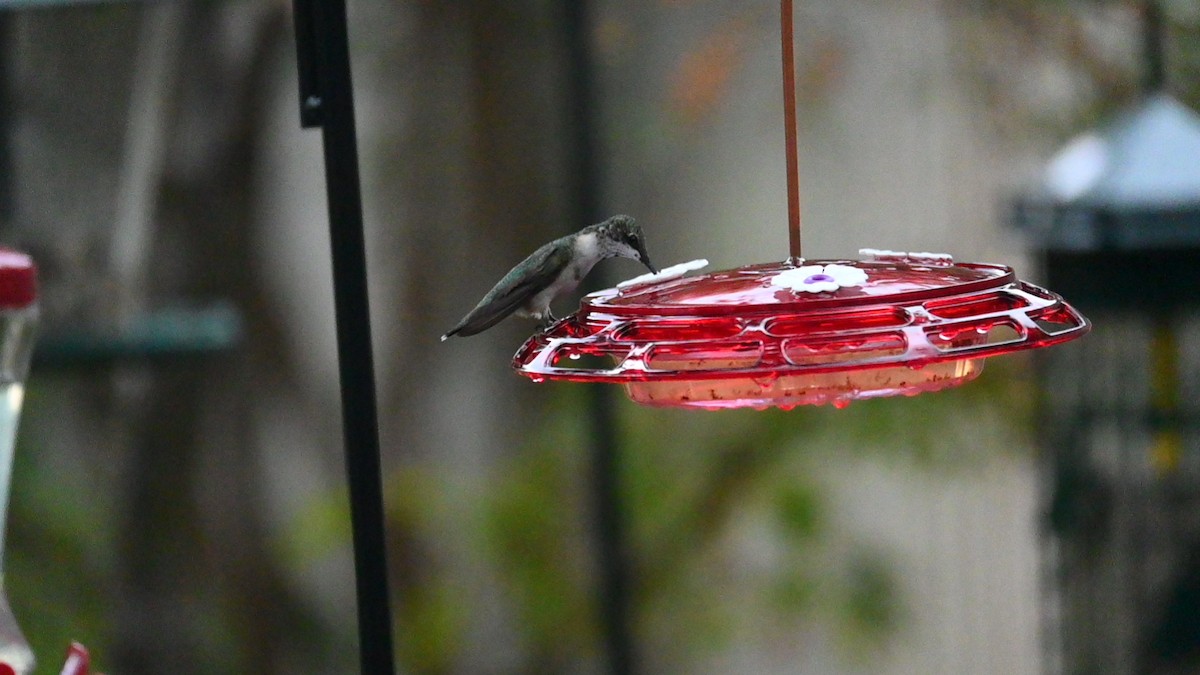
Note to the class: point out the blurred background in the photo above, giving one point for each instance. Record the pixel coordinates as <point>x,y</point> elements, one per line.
<point>178,502</point>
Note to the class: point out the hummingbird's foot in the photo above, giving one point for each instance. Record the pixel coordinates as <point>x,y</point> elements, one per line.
<point>547,321</point>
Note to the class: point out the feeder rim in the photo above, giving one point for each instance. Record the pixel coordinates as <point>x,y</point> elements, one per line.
<point>619,301</point>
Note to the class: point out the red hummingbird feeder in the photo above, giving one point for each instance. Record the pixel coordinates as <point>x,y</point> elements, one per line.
<point>799,332</point>
<point>739,338</point>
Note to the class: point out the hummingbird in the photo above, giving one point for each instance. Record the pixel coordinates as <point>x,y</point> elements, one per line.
<point>552,270</point>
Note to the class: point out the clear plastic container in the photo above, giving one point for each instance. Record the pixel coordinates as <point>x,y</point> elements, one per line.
<point>18,320</point>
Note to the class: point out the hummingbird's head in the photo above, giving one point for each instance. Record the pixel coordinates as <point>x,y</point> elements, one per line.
<point>625,239</point>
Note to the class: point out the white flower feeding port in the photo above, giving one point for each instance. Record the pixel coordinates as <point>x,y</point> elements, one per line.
<point>820,278</point>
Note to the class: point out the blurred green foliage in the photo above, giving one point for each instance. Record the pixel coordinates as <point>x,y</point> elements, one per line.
<point>700,489</point>
<point>59,549</point>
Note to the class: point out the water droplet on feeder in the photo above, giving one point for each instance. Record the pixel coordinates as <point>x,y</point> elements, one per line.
<point>766,382</point>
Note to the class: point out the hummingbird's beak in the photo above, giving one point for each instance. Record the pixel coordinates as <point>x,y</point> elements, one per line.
<point>644,258</point>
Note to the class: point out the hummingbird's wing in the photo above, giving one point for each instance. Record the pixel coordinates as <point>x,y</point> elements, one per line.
<point>521,283</point>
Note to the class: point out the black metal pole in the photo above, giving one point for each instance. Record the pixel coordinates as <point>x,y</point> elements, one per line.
<point>326,100</point>
<point>612,556</point>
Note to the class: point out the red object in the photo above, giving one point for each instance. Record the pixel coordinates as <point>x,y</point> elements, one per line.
<point>18,280</point>
<point>78,662</point>
<point>733,339</point>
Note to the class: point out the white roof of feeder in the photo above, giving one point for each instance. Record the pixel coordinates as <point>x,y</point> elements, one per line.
<point>1132,184</point>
